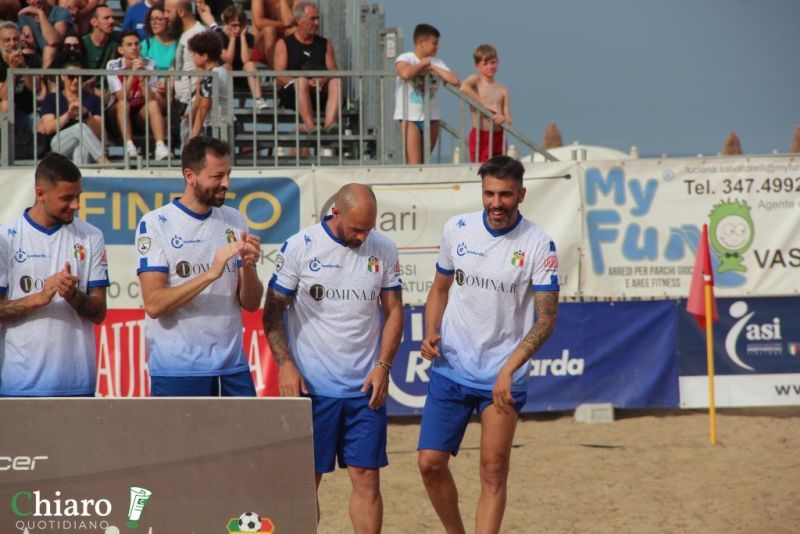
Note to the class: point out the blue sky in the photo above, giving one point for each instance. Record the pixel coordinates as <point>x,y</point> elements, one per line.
<point>670,76</point>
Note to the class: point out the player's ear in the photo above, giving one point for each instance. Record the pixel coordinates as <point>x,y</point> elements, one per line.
<point>522,194</point>
<point>188,175</point>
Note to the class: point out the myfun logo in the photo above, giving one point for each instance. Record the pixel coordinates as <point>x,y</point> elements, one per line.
<point>271,206</point>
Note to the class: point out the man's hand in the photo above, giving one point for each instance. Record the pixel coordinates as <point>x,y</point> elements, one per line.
<point>430,347</point>
<point>498,119</point>
<point>137,64</point>
<point>290,381</point>
<point>222,256</point>
<point>67,282</point>
<point>74,109</point>
<point>501,393</point>
<point>32,11</point>
<point>378,379</point>
<point>15,59</point>
<point>251,249</point>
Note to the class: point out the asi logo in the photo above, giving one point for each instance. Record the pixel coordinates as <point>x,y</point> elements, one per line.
<point>518,258</point>
<point>761,339</point>
<point>79,252</point>
<point>373,265</point>
<point>731,233</point>
<point>250,522</point>
<point>230,235</point>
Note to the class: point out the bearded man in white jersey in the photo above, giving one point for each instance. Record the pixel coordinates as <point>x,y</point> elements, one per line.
<point>340,279</point>
<point>480,333</point>
<point>197,269</point>
<point>53,280</point>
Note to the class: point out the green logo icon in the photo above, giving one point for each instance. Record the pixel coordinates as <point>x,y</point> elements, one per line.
<point>139,497</point>
<point>731,233</point>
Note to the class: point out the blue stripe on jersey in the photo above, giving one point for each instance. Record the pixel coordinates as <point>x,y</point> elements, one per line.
<point>98,283</point>
<point>328,230</point>
<point>3,289</point>
<point>285,244</point>
<point>143,267</point>
<point>552,246</point>
<point>448,272</point>
<point>190,213</point>
<point>142,228</point>
<point>392,288</point>
<point>48,231</point>
<point>273,283</point>
<point>552,286</point>
<point>504,231</point>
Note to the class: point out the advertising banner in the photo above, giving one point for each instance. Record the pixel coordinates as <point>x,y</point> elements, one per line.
<point>642,221</point>
<point>756,354</point>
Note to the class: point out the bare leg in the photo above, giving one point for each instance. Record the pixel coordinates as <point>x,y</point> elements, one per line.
<point>252,81</point>
<point>413,137</point>
<point>332,106</point>
<point>441,488</point>
<point>317,480</point>
<point>123,121</point>
<point>366,504</point>
<point>497,433</point>
<point>303,92</point>
<point>156,119</point>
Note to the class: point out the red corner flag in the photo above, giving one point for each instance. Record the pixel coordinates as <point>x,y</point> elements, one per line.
<point>701,276</point>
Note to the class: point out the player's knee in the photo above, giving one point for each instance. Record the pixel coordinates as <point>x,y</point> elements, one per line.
<point>431,468</point>
<point>366,483</point>
<point>494,474</point>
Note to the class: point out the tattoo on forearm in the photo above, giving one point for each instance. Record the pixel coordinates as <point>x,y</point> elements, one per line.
<point>546,308</point>
<point>86,306</point>
<point>275,326</point>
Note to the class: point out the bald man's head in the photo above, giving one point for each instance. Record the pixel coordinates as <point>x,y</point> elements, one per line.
<point>355,210</point>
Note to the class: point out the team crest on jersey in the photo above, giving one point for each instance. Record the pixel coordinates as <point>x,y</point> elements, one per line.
<point>397,267</point>
<point>518,258</point>
<point>373,265</point>
<point>79,252</point>
<point>230,235</point>
<point>279,263</point>
<point>143,245</point>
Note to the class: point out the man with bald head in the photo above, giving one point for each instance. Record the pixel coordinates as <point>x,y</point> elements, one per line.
<point>336,278</point>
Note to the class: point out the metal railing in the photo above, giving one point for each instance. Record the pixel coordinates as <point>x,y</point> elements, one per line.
<point>268,137</point>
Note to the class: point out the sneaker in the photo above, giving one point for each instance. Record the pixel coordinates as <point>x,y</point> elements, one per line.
<point>162,151</point>
<point>131,149</point>
<point>261,104</point>
<point>333,129</point>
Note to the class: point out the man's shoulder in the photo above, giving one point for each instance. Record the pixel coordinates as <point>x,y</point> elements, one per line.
<point>83,229</point>
<point>115,64</point>
<point>408,57</point>
<point>161,215</point>
<point>382,242</point>
<point>59,14</point>
<point>466,222</point>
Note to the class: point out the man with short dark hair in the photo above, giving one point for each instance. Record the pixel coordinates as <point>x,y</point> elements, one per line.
<point>53,280</point>
<point>305,50</point>
<point>197,270</point>
<point>102,42</point>
<point>480,333</point>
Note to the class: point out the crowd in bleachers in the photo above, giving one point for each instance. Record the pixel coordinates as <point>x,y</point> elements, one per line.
<point>84,34</point>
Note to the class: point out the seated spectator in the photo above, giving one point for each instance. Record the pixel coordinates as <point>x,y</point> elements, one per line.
<point>29,46</point>
<point>206,49</point>
<point>73,123</point>
<point>49,25</point>
<point>102,42</point>
<point>305,50</point>
<point>135,17</point>
<point>160,46</point>
<point>133,96</point>
<point>12,56</point>
<point>179,13</point>
<point>72,44</point>
<point>237,47</point>
<point>272,20</point>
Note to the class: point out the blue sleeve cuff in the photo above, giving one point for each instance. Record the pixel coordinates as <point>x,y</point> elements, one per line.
<point>392,288</point>
<point>164,270</point>
<point>550,287</point>
<point>446,272</point>
<point>273,283</point>
<point>98,283</point>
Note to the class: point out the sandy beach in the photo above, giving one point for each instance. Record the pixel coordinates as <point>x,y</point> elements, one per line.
<point>645,472</point>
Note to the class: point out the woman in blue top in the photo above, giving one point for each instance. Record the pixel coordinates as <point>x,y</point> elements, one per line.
<point>160,46</point>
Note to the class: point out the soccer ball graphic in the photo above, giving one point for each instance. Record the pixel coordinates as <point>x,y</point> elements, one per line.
<point>249,522</point>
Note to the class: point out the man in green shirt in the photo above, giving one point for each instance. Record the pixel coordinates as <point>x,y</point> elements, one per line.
<point>102,42</point>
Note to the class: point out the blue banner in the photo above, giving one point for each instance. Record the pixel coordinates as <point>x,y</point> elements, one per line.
<point>271,206</point>
<point>754,336</point>
<point>622,353</point>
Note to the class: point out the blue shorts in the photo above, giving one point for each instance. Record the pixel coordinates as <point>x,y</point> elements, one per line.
<point>350,431</point>
<point>421,124</point>
<point>236,385</point>
<point>448,407</point>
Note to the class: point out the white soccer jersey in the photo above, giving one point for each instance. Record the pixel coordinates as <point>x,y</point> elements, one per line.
<point>50,351</point>
<point>334,323</point>
<point>204,336</point>
<point>490,306</point>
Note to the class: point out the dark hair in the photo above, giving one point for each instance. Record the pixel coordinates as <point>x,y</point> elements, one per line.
<point>503,168</point>
<point>54,168</point>
<point>157,6</point>
<point>193,155</point>
<point>97,8</point>
<point>81,47</point>
<point>128,33</point>
<point>425,30</point>
<point>233,13</point>
<point>208,42</point>
<point>68,58</point>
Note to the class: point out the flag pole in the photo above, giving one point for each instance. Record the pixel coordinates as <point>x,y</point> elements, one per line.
<point>712,413</point>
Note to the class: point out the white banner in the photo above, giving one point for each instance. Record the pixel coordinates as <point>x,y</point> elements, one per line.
<point>642,221</point>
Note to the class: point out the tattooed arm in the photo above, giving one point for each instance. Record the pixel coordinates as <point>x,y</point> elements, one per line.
<point>290,381</point>
<point>545,304</point>
<point>91,305</point>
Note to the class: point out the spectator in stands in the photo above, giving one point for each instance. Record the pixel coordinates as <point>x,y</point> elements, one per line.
<point>29,46</point>
<point>411,68</point>
<point>160,46</point>
<point>49,24</point>
<point>72,44</point>
<point>12,56</point>
<point>74,123</point>
<point>206,48</point>
<point>134,96</point>
<point>272,20</point>
<point>101,44</point>
<point>237,48</point>
<point>305,50</point>
<point>179,15</point>
<point>135,17</point>
<point>485,89</point>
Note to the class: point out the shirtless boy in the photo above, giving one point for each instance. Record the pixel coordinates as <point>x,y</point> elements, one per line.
<point>272,20</point>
